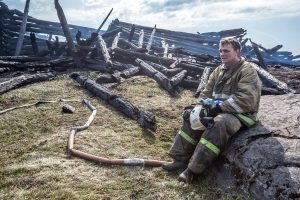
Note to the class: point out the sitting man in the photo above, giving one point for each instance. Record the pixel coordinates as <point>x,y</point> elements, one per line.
<point>236,85</point>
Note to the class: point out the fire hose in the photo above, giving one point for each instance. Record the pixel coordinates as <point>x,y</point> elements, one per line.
<point>98,159</point>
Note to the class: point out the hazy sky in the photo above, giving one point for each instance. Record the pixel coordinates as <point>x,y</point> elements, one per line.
<point>267,22</point>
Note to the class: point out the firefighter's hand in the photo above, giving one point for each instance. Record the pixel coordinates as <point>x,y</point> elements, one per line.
<point>187,111</point>
<point>214,110</point>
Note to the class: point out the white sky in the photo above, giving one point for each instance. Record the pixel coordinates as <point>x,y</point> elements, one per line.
<point>268,23</point>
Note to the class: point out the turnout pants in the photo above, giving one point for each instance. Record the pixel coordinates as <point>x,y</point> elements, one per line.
<point>199,149</point>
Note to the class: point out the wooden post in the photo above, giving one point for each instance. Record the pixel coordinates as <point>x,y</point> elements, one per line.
<point>23,29</point>
<point>34,44</point>
<point>141,38</point>
<point>102,45</point>
<point>98,30</point>
<point>203,80</point>
<point>116,40</point>
<point>151,39</point>
<point>64,25</point>
<point>50,37</point>
<point>131,33</point>
<point>166,48</point>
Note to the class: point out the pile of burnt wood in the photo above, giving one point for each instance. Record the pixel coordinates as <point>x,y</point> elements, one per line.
<point>173,59</point>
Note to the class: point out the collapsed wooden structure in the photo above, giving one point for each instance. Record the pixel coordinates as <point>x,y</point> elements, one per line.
<point>173,59</point>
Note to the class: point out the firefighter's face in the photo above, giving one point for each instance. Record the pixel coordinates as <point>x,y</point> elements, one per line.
<point>228,55</point>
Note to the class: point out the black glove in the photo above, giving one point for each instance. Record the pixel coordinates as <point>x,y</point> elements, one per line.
<point>208,122</point>
<point>214,110</point>
<point>187,111</point>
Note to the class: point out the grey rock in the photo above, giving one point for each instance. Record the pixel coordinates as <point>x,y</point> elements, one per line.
<point>264,161</point>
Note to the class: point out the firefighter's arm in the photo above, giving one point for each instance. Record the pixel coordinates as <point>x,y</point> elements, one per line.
<point>208,90</point>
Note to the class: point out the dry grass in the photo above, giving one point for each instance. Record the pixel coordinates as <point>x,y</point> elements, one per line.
<point>33,161</point>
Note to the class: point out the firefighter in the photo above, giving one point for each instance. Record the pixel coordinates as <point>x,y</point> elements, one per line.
<point>236,85</point>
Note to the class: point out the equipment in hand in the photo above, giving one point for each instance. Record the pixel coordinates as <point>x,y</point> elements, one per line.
<point>199,117</point>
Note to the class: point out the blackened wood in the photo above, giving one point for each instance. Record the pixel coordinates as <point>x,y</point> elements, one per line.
<point>121,66</point>
<point>116,41</point>
<point>4,69</point>
<point>175,63</point>
<point>258,55</point>
<point>151,39</point>
<point>36,64</point>
<point>131,56</point>
<point>203,80</point>
<point>166,48</point>
<point>189,83</point>
<point>175,80</point>
<point>131,33</point>
<point>64,25</point>
<point>106,78</point>
<point>98,30</point>
<point>166,71</point>
<point>117,76</point>
<point>172,72</point>
<point>23,29</point>
<point>24,80</point>
<point>111,33</point>
<point>275,49</point>
<point>126,44</point>
<point>269,80</point>
<point>160,78</point>
<point>141,39</point>
<point>102,45</point>
<point>34,44</point>
<point>144,118</point>
<point>159,67</point>
<point>4,63</point>
<point>98,65</point>
<point>270,91</point>
<point>22,58</point>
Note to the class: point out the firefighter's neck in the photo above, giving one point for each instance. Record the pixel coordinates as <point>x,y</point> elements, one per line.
<point>233,64</point>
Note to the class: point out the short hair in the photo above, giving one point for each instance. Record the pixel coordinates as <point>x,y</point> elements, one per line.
<point>231,40</point>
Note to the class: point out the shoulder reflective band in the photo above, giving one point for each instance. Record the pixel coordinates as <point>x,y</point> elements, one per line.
<point>187,137</point>
<point>247,120</point>
<point>210,146</point>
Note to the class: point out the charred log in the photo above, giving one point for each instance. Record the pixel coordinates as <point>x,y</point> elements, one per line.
<point>175,80</point>
<point>144,118</point>
<point>270,81</point>
<point>117,76</point>
<point>34,44</point>
<point>131,56</point>
<point>24,80</point>
<point>258,55</point>
<point>160,78</point>
<point>131,33</point>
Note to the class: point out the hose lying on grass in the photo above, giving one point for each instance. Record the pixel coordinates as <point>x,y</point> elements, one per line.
<point>36,104</point>
<point>102,160</point>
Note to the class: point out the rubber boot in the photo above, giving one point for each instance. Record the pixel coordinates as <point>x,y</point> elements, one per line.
<point>176,165</point>
<point>186,176</point>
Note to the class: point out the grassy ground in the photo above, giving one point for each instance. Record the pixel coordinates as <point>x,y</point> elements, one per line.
<point>33,160</point>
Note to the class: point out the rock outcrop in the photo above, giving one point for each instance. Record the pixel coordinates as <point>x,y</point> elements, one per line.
<point>264,160</point>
